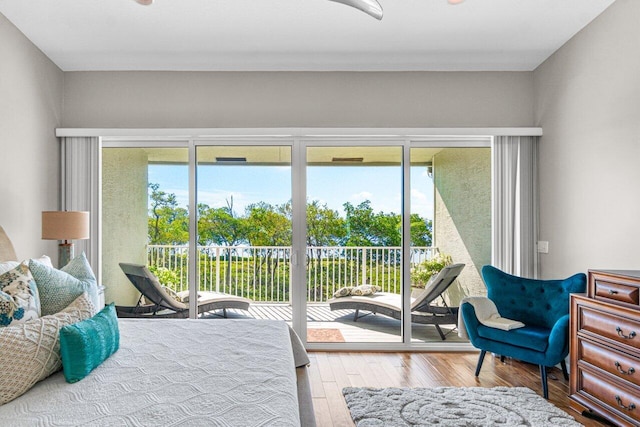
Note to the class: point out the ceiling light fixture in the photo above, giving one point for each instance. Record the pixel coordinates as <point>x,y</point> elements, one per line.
<point>370,7</point>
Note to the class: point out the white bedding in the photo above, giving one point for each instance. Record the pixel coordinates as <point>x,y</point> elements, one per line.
<point>174,372</point>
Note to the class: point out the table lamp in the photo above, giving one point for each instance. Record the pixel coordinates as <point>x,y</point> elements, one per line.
<point>65,225</point>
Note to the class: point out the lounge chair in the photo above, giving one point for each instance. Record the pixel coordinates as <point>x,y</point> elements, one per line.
<point>422,311</point>
<point>160,304</point>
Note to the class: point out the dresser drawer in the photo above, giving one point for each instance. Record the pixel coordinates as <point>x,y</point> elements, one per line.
<point>617,291</point>
<point>615,288</point>
<point>621,365</point>
<point>609,324</point>
<point>619,399</point>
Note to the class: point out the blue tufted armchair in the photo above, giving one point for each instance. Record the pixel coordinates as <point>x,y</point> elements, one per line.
<point>542,305</point>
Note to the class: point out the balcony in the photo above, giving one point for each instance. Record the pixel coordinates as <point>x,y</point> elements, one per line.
<point>262,275</point>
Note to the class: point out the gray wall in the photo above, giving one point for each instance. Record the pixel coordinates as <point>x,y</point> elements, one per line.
<point>31,89</point>
<point>588,103</point>
<point>292,99</point>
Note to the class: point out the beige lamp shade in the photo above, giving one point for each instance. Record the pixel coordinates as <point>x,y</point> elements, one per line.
<point>65,225</point>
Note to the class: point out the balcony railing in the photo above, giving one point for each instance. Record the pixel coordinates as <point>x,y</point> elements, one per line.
<point>262,273</point>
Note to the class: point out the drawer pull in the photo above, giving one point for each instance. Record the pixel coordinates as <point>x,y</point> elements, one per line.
<point>630,371</point>
<point>612,292</point>
<point>631,335</point>
<point>631,406</point>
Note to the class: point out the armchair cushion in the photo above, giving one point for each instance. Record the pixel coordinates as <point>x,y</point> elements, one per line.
<point>531,337</point>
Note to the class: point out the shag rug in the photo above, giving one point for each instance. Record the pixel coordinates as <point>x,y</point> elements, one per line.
<point>452,406</point>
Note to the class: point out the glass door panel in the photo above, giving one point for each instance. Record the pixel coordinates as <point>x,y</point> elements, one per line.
<point>145,218</point>
<point>354,237</point>
<point>450,223</point>
<point>244,226</point>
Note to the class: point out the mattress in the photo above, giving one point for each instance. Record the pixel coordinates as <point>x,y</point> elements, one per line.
<point>176,372</point>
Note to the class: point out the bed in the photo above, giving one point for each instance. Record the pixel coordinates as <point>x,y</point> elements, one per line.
<point>222,372</point>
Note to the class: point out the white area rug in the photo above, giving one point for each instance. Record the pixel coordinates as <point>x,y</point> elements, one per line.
<point>452,406</point>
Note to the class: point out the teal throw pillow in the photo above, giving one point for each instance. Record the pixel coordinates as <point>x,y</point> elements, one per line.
<point>85,345</point>
<point>59,288</point>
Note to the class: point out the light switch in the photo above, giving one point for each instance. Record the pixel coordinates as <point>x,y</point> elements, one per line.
<point>543,247</point>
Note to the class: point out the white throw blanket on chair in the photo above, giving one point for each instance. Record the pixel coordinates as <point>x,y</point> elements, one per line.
<point>487,314</point>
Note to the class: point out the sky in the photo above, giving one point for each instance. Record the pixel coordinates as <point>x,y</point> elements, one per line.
<point>333,185</point>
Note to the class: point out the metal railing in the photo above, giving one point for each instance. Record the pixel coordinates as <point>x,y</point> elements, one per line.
<point>262,273</point>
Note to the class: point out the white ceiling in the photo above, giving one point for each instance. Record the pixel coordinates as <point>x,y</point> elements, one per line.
<point>231,35</point>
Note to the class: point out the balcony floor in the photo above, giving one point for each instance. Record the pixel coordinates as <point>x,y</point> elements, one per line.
<point>338,326</point>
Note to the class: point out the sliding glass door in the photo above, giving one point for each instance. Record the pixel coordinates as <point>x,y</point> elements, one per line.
<point>337,237</point>
<point>244,226</point>
<point>354,237</point>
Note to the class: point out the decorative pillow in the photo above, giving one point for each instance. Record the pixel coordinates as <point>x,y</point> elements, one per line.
<point>58,288</point>
<point>30,351</point>
<point>183,296</point>
<point>364,290</point>
<point>8,265</point>
<point>343,292</point>
<point>85,345</point>
<point>19,299</point>
<point>44,259</point>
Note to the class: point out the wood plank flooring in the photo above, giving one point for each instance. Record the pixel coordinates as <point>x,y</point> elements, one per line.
<point>331,371</point>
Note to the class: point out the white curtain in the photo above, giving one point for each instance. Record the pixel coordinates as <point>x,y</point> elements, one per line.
<point>515,205</point>
<point>80,168</point>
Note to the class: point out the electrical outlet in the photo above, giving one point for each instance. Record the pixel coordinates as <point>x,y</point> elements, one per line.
<point>543,247</point>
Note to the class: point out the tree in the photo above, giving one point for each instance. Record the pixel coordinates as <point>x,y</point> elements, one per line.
<point>221,226</point>
<point>366,228</point>
<point>421,229</point>
<point>324,225</point>
<point>168,223</point>
<point>268,225</point>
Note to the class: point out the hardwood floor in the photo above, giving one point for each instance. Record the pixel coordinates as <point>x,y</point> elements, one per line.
<point>331,371</point>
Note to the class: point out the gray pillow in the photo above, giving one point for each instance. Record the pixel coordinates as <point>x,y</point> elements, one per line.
<point>59,288</point>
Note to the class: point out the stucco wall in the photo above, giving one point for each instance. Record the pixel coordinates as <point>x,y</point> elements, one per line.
<point>31,89</point>
<point>124,219</point>
<point>587,100</point>
<point>462,214</point>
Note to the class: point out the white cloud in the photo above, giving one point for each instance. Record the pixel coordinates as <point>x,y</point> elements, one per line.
<point>361,196</point>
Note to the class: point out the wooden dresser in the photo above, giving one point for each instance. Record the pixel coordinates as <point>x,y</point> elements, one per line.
<point>605,347</point>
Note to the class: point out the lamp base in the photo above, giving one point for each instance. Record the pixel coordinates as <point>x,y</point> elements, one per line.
<point>65,254</point>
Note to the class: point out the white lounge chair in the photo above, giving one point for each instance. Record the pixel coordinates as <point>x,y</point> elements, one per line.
<point>422,310</point>
<point>161,304</point>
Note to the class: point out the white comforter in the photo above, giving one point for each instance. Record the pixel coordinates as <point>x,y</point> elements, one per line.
<point>175,373</point>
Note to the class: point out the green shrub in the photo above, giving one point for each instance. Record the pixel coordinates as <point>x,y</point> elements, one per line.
<point>166,277</point>
<point>421,274</point>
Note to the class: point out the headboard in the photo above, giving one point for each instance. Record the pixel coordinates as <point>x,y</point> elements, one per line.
<point>7,253</point>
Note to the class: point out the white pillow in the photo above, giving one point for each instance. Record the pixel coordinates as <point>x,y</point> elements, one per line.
<point>8,265</point>
<point>44,259</point>
<point>30,351</point>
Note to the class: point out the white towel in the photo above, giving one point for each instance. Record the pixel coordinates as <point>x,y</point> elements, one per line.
<point>487,314</point>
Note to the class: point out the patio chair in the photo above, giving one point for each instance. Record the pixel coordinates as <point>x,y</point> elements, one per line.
<point>422,309</point>
<point>159,303</point>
